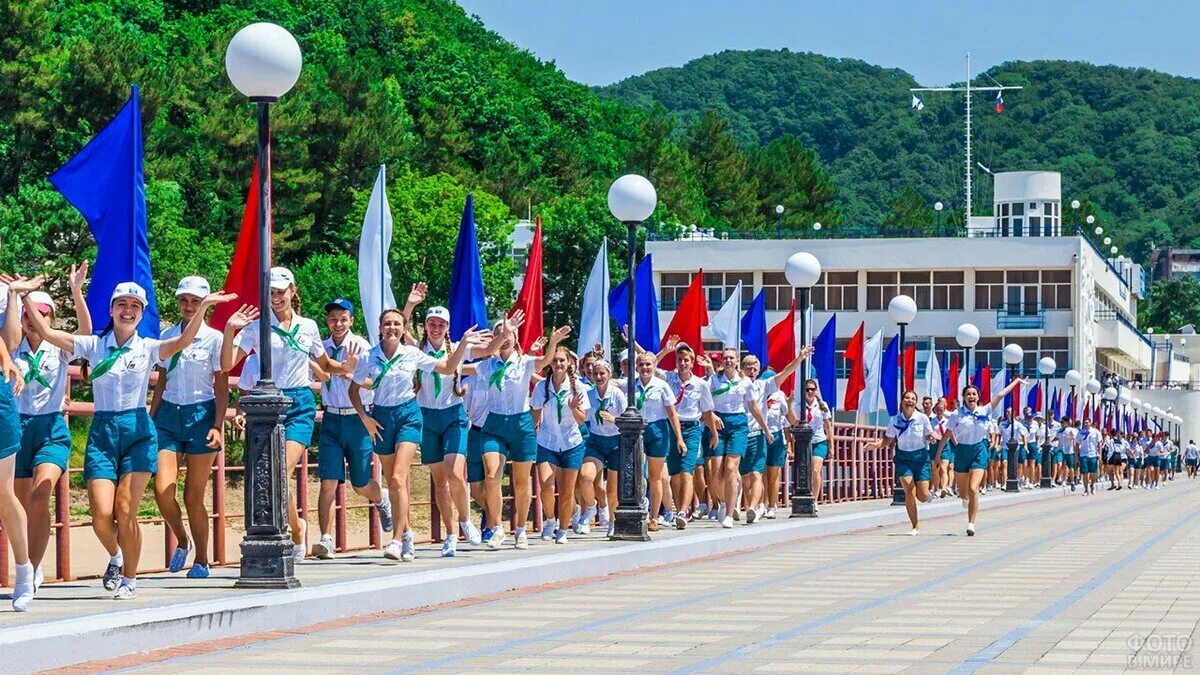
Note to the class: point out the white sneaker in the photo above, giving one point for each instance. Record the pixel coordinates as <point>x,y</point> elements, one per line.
<point>612,528</point>
<point>602,517</point>
<point>23,588</point>
<point>560,537</point>
<point>548,527</point>
<point>38,579</point>
<point>737,514</point>
<point>970,529</point>
<point>585,526</point>
<point>914,532</point>
<point>392,550</point>
<point>497,539</point>
<point>770,513</point>
<point>521,542</point>
<point>472,533</point>
<point>323,549</point>
<point>751,515</point>
<point>727,523</point>
<point>407,551</point>
<point>125,592</point>
<point>298,552</point>
<point>449,546</point>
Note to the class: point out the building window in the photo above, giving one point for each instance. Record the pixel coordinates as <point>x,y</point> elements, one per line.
<point>777,291</point>
<point>718,286</point>
<point>671,287</point>
<point>881,288</point>
<point>1056,289</point>
<point>989,289</point>
<point>948,290</point>
<point>835,291</point>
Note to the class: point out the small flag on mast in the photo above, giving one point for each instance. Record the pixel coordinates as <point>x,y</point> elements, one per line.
<point>998,106</point>
<point>918,103</point>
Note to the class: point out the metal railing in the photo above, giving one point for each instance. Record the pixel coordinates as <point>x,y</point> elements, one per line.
<point>1021,316</point>
<point>1109,314</point>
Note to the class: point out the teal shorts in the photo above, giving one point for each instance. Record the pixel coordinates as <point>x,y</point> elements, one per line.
<point>45,439</point>
<point>184,428</point>
<point>572,458</point>
<point>657,441</point>
<point>604,449</point>
<point>401,424</point>
<point>344,440</point>
<point>755,459</point>
<point>1151,462</point>
<point>1069,460</point>
<point>968,457</point>
<point>1089,464</point>
<point>443,432</point>
<point>1192,462</point>
<point>706,444</point>
<point>777,451</point>
<point>511,436</point>
<point>1022,454</point>
<point>913,463</point>
<point>10,422</point>
<point>475,472</point>
<point>733,436</point>
<point>1056,457</point>
<point>301,417</point>
<point>120,443</point>
<point>1033,453</point>
<point>821,450</point>
<point>677,463</point>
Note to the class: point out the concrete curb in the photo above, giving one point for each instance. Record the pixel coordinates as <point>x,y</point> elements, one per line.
<point>70,641</point>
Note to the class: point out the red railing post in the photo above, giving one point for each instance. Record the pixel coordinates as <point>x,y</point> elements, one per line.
<point>3,557</point>
<point>435,514</point>
<point>339,522</point>
<point>218,518</point>
<point>374,529</point>
<point>62,537</point>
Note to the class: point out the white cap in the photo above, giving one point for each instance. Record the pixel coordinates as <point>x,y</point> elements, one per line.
<point>625,355</point>
<point>281,278</point>
<point>438,312</point>
<point>128,289</point>
<point>42,300</point>
<point>197,286</point>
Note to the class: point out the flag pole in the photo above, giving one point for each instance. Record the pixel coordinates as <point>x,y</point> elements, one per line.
<point>382,244</point>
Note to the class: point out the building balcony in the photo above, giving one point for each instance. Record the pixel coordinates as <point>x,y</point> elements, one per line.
<point>1118,336</point>
<point>1021,316</point>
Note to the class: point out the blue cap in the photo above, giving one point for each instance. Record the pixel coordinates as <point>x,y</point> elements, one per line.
<point>340,303</point>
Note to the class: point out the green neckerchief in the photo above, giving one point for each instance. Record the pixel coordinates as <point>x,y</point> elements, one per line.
<point>496,379</point>
<point>386,365</point>
<point>173,364</point>
<point>560,399</point>
<point>34,360</point>
<point>289,337</point>
<point>334,352</point>
<point>106,364</point>
<point>723,388</point>
<point>641,395</point>
<point>437,377</point>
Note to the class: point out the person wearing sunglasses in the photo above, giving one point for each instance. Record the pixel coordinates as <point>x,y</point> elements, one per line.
<point>814,412</point>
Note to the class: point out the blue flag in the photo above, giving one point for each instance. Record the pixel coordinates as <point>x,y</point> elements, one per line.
<point>104,182</point>
<point>646,327</point>
<point>889,375</point>
<point>824,361</point>
<point>754,327</point>
<point>947,386</point>
<point>468,302</point>
<point>1034,397</point>
<point>1057,403</point>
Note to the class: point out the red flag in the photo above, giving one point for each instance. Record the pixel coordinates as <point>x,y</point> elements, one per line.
<point>856,382</point>
<point>243,277</point>
<point>1086,410</point>
<point>909,367</point>
<point>952,391</point>
<point>530,298</point>
<point>781,347</point>
<point>690,317</point>
<point>985,384</point>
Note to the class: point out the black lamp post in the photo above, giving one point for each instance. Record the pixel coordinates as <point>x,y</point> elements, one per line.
<point>967,336</point>
<point>902,310</point>
<point>802,271</point>
<point>1047,366</point>
<point>1074,379</point>
<point>1012,356</point>
<point>779,221</point>
<point>263,62</point>
<point>937,209</point>
<point>631,200</point>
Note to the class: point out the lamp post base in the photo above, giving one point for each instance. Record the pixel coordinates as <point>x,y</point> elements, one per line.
<point>1012,484</point>
<point>631,520</point>
<point>804,503</point>
<point>267,547</point>
<point>1047,467</point>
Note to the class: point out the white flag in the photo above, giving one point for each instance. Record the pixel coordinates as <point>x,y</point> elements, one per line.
<point>997,386</point>
<point>868,402</point>
<point>594,324</point>
<point>374,276</point>
<point>726,324</point>
<point>933,376</point>
<point>918,103</point>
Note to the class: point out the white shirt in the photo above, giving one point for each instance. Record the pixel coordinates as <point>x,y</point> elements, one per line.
<point>190,371</point>
<point>762,388</point>
<point>912,433</point>
<point>938,424</point>
<point>558,430</point>
<point>1089,443</point>
<point>1066,440</point>
<point>815,417</point>
<point>692,399</point>
<point>969,427</point>
<point>1116,446</point>
<point>613,401</point>
<point>392,379</point>
<point>775,412</point>
<point>653,398</point>
<point>336,392</point>
<point>476,399</point>
<point>437,390</point>
<point>1021,435</point>
<point>53,368</point>
<point>1191,451</point>
<point>730,396</point>
<point>1036,432</point>
<point>123,386</point>
<point>289,358</point>
<point>508,385</point>
<point>249,376</point>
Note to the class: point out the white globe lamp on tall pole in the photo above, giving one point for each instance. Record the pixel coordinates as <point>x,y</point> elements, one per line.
<point>802,270</point>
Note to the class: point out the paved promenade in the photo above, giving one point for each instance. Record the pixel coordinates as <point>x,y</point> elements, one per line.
<point>1108,582</point>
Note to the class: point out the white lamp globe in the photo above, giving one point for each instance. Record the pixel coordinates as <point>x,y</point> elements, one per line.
<point>1047,366</point>
<point>937,206</point>
<point>1135,403</point>
<point>902,309</point>
<point>1107,241</point>
<point>1013,354</point>
<point>631,198</point>
<point>1110,393</point>
<point>1093,386</point>
<point>1074,203</point>
<point>263,61</point>
<point>1090,219</point>
<point>779,209</point>
<point>802,269</point>
<point>817,227</point>
<point>1123,396</point>
<point>1074,379</point>
<point>967,335</point>
<point>1113,250</point>
<point>1182,342</point>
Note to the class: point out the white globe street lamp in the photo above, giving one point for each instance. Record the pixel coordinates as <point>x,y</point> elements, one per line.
<point>1046,366</point>
<point>263,61</point>
<point>902,310</point>
<point>802,270</point>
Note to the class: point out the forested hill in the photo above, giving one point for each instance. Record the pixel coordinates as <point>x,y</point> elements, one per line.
<point>1127,140</point>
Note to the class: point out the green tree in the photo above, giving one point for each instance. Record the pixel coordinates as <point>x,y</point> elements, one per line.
<point>723,172</point>
<point>788,174</point>
<point>909,215</point>
<point>1172,303</point>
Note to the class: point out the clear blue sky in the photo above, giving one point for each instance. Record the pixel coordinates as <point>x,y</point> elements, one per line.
<point>599,42</point>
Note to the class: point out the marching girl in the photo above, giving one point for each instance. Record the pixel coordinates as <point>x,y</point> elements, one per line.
<point>998,464</point>
<point>1013,431</point>
<point>733,398</point>
<point>1089,455</point>
<point>754,462</point>
<point>508,431</point>
<point>560,404</point>
<point>122,447</point>
<point>816,414</point>
<point>967,429</point>
<point>394,422</point>
<point>188,407</point>
<point>1137,462</point>
<point>45,439</point>
<point>662,434</point>
<point>694,408</point>
<point>12,513</point>
<point>1115,460</point>
<point>1066,462</point>
<point>602,451</point>
<point>295,343</point>
<point>776,411</point>
<point>475,401</point>
<point>344,439</point>
<point>943,464</point>
<point>1028,453</point>
<point>1191,457</point>
<point>911,433</point>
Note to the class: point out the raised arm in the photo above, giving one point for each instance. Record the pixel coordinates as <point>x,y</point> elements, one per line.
<point>12,319</point>
<point>415,297</point>
<point>548,356</point>
<point>169,347</point>
<point>470,340</point>
<point>790,368</point>
<point>997,399</point>
<point>83,316</point>
<point>669,346</point>
<point>230,354</point>
<point>59,338</point>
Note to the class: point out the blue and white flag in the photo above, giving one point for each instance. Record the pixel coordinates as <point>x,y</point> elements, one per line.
<point>918,103</point>
<point>593,322</point>
<point>726,325</point>
<point>374,273</point>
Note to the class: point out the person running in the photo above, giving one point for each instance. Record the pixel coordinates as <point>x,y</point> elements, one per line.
<point>560,404</point>
<point>733,397</point>
<point>394,422</point>
<point>296,348</point>
<point>45,438</point>
<point>1089,442</point>
<point>942,462</point>
<point>967,428</point>
<point>815,413</point>
<point>910,432</point>
<point>602,453</point>
<point>188,408</point>
<point>694,406</point>
<point>122,446</point>
<point>344,439</point>
<point>1191,455</point>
